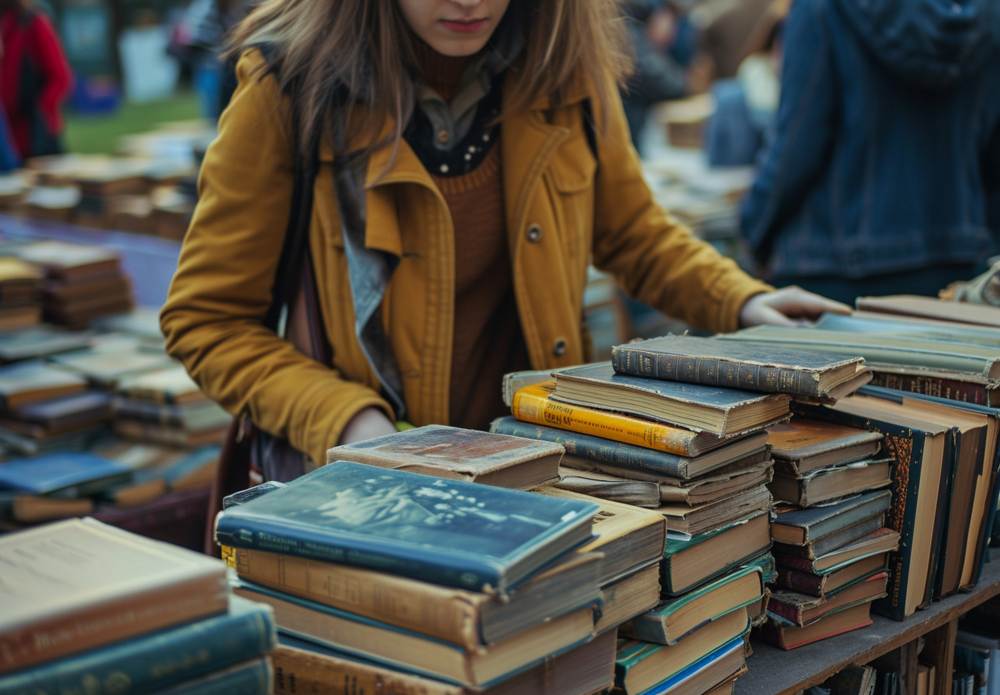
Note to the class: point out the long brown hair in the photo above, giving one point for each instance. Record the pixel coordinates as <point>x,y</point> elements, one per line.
<point>363,49</point>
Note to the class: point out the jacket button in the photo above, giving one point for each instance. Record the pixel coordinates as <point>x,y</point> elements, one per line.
<point>534,233</point>
<point>559,349</point>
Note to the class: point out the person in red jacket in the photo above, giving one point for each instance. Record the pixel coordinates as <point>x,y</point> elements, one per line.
<point>34,78</point>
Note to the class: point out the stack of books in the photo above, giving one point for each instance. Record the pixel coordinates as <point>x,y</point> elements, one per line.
<point>166,407</point>
<point>830,540</point>
<point>157,471</point>
<point>378,575</point>
<point>20,293</point>
<point>82,282</point>
<point>91,608</point>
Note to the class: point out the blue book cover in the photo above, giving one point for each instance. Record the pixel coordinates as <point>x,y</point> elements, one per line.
<point>448,532</point>
<point>160,660</point>
<point>701,664</point>
<point>251,678</point>
<point>63,474</point>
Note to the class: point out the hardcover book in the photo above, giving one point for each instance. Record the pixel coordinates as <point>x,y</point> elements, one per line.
<point>447,532</point>
<point>150,663</point>
<point>629,460</point>
<point>39,342</point>
<point>535,404</point>
<point>62,475</point>
<point>721,411</point>
<point>20,508</point>
<point>876,543</point>
<point>172,385</point>
<point>628,597</point>
<point>801,526</point>
<point>711,516</point>
<point>77,585</point>
<point>834,483</point>
<point>713,674</point>
<point>107,368</point>
<point>459,454</point>
<point>29,382</point>
<point>821,584</point>
<point>752,368</point>
<point>792,637</point>
<point>68,261</point>
<point>930,308</point>
<point>249,678</point>
<point>834,541</point>
<point>801,609</point>
<point>802,445</point>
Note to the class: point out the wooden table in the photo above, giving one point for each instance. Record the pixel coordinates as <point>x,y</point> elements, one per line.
<point>773,671</point>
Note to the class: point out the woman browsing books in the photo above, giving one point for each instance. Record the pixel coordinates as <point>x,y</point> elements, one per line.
<point>472,160</point>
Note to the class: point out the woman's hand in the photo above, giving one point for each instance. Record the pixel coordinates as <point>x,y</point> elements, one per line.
<point>367,424</point>
<point>791,306</point>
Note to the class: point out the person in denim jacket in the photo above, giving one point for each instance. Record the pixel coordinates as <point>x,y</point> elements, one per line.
<point>884,173</point>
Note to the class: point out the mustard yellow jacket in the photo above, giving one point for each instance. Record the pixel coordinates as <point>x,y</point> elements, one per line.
<point>562,213</point>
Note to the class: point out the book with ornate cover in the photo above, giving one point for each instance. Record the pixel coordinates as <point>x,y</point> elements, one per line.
<point>721,411</point>
<point>713,362</point>
<point>460,454</point>
<point>802,445</point>
<point>631,459</point>
<point>76,585</point>
<point>535,404</point>
<point>448,532</point>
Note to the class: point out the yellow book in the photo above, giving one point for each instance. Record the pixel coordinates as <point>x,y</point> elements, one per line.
<point>534,404</point>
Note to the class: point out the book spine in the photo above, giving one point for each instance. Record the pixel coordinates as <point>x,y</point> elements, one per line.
<point>540,410</point>
<point>802,582</point>
<point>617,454</point>
<point>789,612</point>
<point>396,601</point>
<point>254,678</point>
<point>154,662</point>
<point>713,371</point>
<point>951,389</point>
<point>256,533</point>
<point>299,671</point>
<point>98,625</point>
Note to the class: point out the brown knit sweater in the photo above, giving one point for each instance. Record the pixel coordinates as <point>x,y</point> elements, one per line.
<point>488,341</point>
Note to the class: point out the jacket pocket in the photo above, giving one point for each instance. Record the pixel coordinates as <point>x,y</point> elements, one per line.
<point>573,170</point>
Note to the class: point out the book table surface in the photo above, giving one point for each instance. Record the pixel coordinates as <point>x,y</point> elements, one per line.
<point>773,671</point>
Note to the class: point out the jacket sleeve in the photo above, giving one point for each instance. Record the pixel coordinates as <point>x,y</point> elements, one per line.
<point>54,68</point>
<point>805,129</point>
<point>222,289</point>
<point>657,260</point>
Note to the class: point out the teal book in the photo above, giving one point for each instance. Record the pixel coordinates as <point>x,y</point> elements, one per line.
<point>63,474</point>
<point>731,651</point>
<point>251,678</point>
<point>150,663</point>
<point>449,532</point>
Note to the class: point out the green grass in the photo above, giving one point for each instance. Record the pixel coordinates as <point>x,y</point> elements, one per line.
<point>100,134</point>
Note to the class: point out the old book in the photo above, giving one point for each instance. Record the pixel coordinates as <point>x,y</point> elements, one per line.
<point>30,382</point>
<point>107,368</point>
<point>713,362</point>
<point>688,564</point>
<point>802,609</point>
<point>712,674</point>
<point>454,453</point>
<point>704,453</point>
<point>792,637</point>
<point>15,317</point>
<point>638,493</point>
<point>15,271</point>
<point>802,445</point>
<point>701,408</point>
<point>40,341</point>
<point>929,308</point>
<point>177,518</point>
<point>62,475</point>
<point>834,541</point>
<point>672,620</point>
<point>159,660</point>
<point>168,435</point>
<point>641,665</point>
<point>66,413</point>
<point>171,385</point>
<point>853,680</point>
<point>628,597</point>
<point>628,537</point>
<point>368,639</point>
<point>198,416</point>
<point>711,516</point>
<point>801,526</point>
<point>68,261</point>
<point>464,618</point>
<point>821,584</point>
<point>876,543</point>
<point>301,666</point>
<point>249,678</point>
<point>922,450</point>
<point>535,404</point>
<point>941,387</point>
<point>78,584</point>
<point>828,484</point>
<point>80,296</point>
<point>449,532</point>
<point>33,509</point>
<point>886,324</point>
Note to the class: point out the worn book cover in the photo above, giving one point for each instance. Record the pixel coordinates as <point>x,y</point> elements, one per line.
<point>702,453</point>
<point>883,540</point>
<point>802,445</point>
<point>792,608</point>
<point>40,341</point>
<point>709,516</point>
<point>460,454</point>
<point>833,541</point>
<point>827,484</point>
<point>930,308</point>
<point>820,584</point>
<point>837,624</point>
<point>801,526</point>
<point>77,585</point>
<point>67,474</point>
<point>689,563</point>
<point>713,674</point>
<point>449,532</point>
<point>29,382</point>
<point>107,367</point>
<point>713,362</point>
<point>171,385</point>
<point>66,260</point>
<point>712,409</point>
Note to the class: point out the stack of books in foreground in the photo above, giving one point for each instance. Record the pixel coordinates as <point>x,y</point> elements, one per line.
<point>93,609</point>
<point>830,539</point>
<point>397,580</point>
<point>676,424</point>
